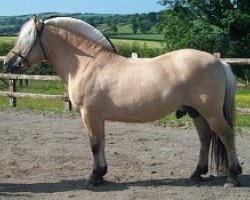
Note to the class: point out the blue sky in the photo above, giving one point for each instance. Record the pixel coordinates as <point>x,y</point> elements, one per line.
<point>22,7</point>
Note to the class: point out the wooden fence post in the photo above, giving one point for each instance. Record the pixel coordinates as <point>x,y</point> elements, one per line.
<point>134,55</point>
<point>67,102</point>
<point>217,55</point>
<point>12,89</point>
<point>26,83</point>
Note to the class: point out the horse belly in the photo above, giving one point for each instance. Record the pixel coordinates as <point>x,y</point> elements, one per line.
<point>139,94</point>
<point>141,110</point>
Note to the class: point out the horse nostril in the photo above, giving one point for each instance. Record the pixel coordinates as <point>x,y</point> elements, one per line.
<point>5,64</point>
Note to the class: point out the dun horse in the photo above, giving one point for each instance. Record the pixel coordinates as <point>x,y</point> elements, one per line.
<point>107,86</point>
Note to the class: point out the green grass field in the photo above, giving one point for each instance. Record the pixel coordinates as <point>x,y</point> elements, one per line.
<point>123,28</point>
<point>151,40</point>
<point>149,44</point>
<point>37,87</point>
<point>243,98</point>
<point>139,36</point>
<point>8,39</point>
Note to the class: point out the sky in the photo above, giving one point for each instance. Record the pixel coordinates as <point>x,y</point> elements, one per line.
<point>23,7</point>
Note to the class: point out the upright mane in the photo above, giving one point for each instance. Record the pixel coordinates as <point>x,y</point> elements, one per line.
<point>82,28</point>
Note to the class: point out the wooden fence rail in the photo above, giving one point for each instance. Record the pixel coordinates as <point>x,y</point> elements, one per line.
<point>13,94</point>
<point>29,77</point>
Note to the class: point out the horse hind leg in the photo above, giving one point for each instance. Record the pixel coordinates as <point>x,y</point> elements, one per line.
<point>225,136</point>
<point>205,135</point>
<point>95,130</point>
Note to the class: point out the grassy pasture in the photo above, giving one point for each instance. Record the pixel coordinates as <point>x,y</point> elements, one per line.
<point>123,28</point>
<point>8,39</point>
<point>37,87</point>
<point>129,39</point>
<point>149,44</point>
<point>139,36</point>
<point>243,98</point>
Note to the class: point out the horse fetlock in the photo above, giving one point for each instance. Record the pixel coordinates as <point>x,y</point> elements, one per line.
<point>201,170</point>
<point>235,171</point>
<point>96,178</point>
<point>99,172</point>
<point>196,175</point>
<point>204,170</point>
<point>195,178</point>
<point>93,181</point>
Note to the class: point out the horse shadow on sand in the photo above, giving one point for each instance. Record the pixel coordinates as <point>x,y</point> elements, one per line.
<point>12,189</point>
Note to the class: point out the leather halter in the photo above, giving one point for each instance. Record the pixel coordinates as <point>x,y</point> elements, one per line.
<point>25,58</point>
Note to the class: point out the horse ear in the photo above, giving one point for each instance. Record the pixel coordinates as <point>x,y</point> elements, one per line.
<point>37,22</point>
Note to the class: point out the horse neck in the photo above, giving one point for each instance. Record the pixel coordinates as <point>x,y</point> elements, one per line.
<point>68,52</point>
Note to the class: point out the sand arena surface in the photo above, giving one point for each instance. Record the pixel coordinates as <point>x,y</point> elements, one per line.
<point>47,156</point>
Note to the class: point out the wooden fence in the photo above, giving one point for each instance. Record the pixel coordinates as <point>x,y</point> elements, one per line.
<point>13,94</point>
<point>234,61</point>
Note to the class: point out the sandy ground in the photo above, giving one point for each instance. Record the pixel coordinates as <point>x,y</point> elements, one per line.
<point>47,156</point>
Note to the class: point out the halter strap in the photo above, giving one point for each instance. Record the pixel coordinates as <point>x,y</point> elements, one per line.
<point>39,34</point>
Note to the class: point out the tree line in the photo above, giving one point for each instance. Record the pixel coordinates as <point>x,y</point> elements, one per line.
<point>139,22</point>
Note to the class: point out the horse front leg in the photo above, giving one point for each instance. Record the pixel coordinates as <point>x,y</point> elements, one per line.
<point>95,130</point>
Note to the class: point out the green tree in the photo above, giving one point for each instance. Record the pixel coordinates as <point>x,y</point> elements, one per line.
<point>134,25</point>
<point>91,21</point>
<point>152,17</point>
<point>221,25</point>
<point>144,26</point>
<point>114,28</point>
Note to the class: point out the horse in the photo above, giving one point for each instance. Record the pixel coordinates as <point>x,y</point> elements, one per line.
<point>106,86</point>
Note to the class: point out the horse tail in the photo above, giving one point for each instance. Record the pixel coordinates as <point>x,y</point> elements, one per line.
<point>219,152</point>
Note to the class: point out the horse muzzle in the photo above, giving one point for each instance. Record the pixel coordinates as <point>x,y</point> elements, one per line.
<point>12,66</point>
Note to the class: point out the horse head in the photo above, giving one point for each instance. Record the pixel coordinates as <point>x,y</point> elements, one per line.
<point>28,49</point>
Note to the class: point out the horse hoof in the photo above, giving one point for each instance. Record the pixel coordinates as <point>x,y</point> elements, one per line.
<point>93,182</point>
<point>195,179</point>
<point>231,183</point>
